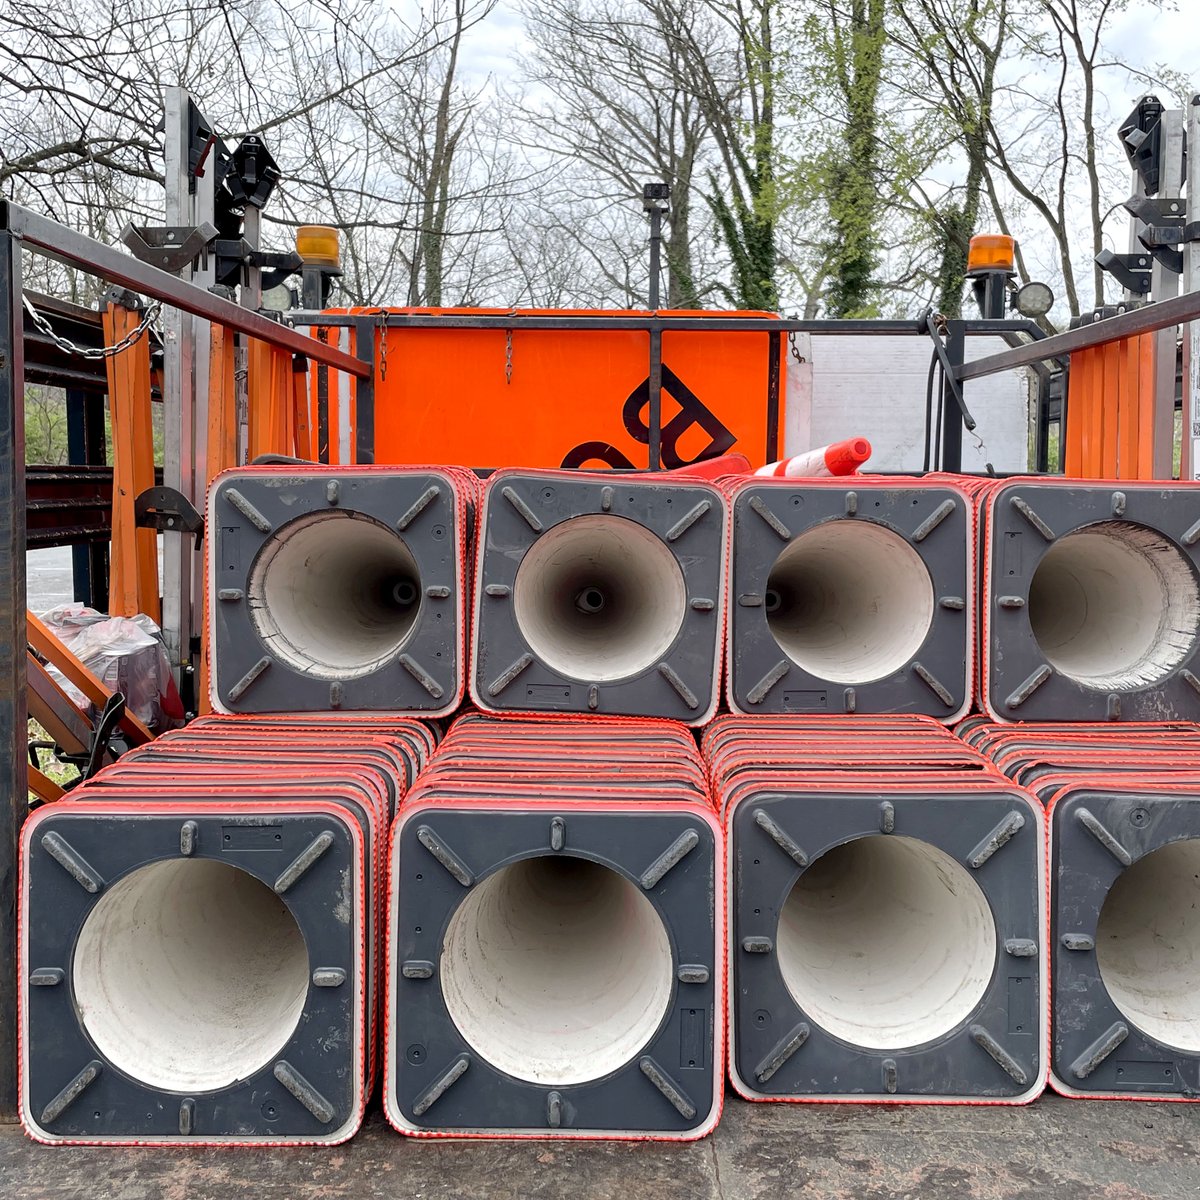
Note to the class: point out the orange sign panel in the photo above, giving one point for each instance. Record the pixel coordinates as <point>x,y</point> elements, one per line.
<point>559,397</point>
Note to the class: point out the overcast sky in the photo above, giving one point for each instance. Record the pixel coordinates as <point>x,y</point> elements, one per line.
<point>1142,34</point>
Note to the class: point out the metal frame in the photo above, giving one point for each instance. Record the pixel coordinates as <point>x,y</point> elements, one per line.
<point>188,200</point>
<point>22,229</point>
<point>654,326</point>
<point>1189,463</point>
<point>14,729</point>
<point>1148,319</point>
<point>66,245</point>
<point>1164,283</point>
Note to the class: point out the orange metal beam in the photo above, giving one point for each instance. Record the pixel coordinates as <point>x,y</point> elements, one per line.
<point>1128,433</point>
<point>1110,408</point>
<point>133,570</point>
<point>300,409</point>
<point>1077,413</point>
<point>258,377</point>
<point>222,404</point>
<point>43,787</point>
<point>281,402</point>
<point>1146,361</point>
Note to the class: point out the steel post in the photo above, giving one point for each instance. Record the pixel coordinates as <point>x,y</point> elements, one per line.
<point>1164,284</point>
<point>178,391</point>
<point>1189,464</point>
<point>655,256</point>
<point>14,733</point>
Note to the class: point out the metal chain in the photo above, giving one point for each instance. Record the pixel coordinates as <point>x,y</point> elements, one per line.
<point>508,349</point>
<point>93,352</point>
<point>383,330</point>
<point>795,353</point>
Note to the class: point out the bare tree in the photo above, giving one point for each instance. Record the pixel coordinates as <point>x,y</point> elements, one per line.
<point>853,44</point>
<point>337,88</point>
<point>736,80</point>
<point>611,97</point>
<point>801,143</point>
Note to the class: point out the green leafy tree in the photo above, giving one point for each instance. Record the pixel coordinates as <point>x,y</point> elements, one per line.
<point>737,86</point>
<point>853,42</point>
<point>45,426</point>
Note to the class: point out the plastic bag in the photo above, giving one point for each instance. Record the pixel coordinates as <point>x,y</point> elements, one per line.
<point>126,654</point>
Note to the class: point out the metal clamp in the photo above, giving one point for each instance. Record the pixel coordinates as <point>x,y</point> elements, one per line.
<point>1131,271</point>
<point>167,510</point>
<point>168,247</point>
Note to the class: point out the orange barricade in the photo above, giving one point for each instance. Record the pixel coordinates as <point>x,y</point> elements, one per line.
<point>1110,411</point>
<point>300,417</point>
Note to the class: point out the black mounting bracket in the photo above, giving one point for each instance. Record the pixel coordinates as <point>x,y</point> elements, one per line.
<point>1131,271</point>
<point>1157,210</point>
<point>232,254</point>
<point>201,139</point>
<point>1141,135</point>
<point>251,173</point>
<point>165,509</point>
<point>1105,311</point>
<point>168,247</point>
<point>123,298</point>
<point>1164,221</point>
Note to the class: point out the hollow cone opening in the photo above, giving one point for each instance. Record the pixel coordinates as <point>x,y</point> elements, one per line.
<point>335,594</point>
<point>886,942</point>
<point>1114,606</point>
<point>190,975</point>
<point>1148,945</point>
<point>599,598</point>
<point>557,970</point>
<point>849,601</point>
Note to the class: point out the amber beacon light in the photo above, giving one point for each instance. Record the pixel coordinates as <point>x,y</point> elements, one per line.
<point>988,252</point>
<point>318,245</point>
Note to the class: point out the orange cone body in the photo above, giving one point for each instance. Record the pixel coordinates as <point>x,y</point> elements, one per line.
<point>838,458</point>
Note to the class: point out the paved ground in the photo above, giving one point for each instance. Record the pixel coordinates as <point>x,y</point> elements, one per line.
<point>48,578</point>
<point>1054,1150</point>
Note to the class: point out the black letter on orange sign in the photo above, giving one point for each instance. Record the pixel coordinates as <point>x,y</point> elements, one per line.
<point>691,412</point>
<point>604,451</point>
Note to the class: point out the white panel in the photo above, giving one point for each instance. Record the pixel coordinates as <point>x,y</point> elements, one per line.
<point>874,387</point>
<point>798,385</point>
